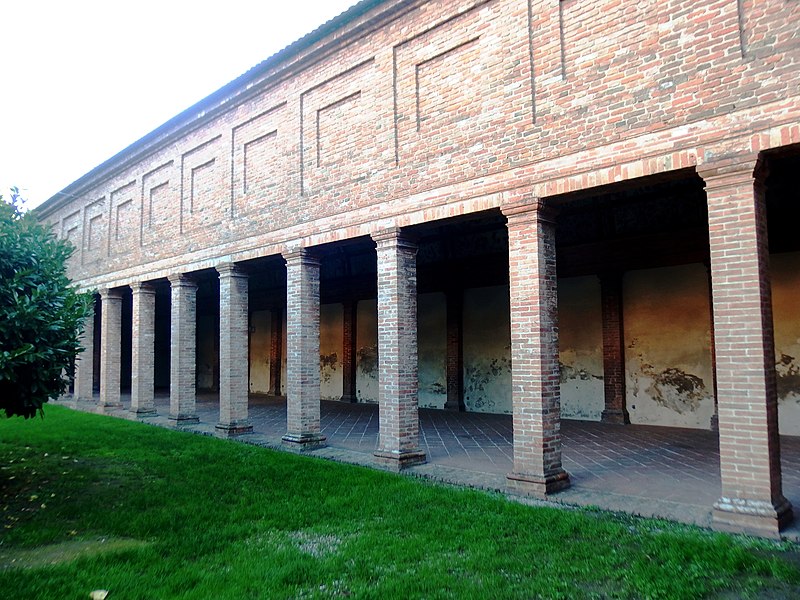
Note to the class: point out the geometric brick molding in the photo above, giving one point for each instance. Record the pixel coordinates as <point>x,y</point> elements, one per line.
<point>613,350</point>
<point>142,355</point>
<point>302,352</point>
<point>750,467</point>
<point>84,365</point>
<point>535,377</point>
<point>183,351</point>
<point>110,348</point>
<point>398,438</point>
<point>233,351</point>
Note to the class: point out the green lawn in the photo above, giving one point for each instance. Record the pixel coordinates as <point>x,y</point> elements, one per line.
<point>90,502</point>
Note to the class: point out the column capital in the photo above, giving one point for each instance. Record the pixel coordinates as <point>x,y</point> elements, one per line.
<point>181,280</point>
<point>231,270</point>
<point>142,287</point>
<point>394,236</point>
<point>733,170</point>
<point>108,293</point>
<point>300,256</point>
<point>529,208</point>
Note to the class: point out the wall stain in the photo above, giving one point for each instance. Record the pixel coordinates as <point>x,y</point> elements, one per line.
<point>479,375</point>
<point>367,358</point>
<point>788,377</point>
<point>437,388</point>
<point>569,372</point>
<point>327,365</point>
<point>672,388</point>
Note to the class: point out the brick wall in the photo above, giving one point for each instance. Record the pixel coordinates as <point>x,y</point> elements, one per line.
<point>422,110</point>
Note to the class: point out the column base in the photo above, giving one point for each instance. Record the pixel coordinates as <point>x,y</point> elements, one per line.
<point>454,406</point>
<point>144,413</point>
<point>538,485</point>
<point>713,424</point>
<point>178,420</point>
<point>303,442</point>
<point>109,406</point>
<point>350,398</point>
<point>227,430</point>
<point>615,416</point>
<point>754,517</point>
<point>397,461</point>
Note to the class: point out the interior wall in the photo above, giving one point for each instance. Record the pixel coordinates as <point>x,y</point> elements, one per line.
<point>367,351</point>
<point>260,341</point>
<point>785,272</point>
<point>487,350</point>
<point>432,349</point>
<point>331,340</point>
<point>581,348</point>
<point>207,352</point>
<point>667,319</point>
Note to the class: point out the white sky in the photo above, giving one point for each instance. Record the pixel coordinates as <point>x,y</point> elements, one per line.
<point>82,79</point>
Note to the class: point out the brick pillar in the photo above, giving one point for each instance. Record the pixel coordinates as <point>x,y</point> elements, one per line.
<point>302,351</point>
<point>84,365</point>
<point>349,324</point>
<point>534,349</point>
<point>183,350</point>
<point>110,348</point>
<point>455,350</point>
<point>713,424</point>
<point>613,350</point>
<point>143,350</point>
<point>233,351</point>
<point>398,439</point>
<point>275,351</point>
<point>750,467</point>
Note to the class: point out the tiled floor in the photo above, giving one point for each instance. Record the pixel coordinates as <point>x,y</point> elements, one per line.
<point>641,466</point>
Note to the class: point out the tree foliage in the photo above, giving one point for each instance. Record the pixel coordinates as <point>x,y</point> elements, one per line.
<point>41,316</point>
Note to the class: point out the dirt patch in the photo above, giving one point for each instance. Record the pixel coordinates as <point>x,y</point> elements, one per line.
<point>64,552</point>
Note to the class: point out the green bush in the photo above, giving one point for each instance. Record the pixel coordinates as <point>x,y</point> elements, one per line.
<point>41,316</point>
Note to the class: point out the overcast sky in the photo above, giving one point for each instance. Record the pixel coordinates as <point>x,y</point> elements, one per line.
<point>80,80</point>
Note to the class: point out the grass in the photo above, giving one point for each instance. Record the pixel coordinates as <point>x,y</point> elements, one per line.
<point>90,502</point>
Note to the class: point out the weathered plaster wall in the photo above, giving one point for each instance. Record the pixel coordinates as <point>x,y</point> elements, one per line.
<point>207,352</point>
<point>786,316</point>
<point>668,346</point>
<point>432,350</point>
<point>330,351</point>
<point>260,340</point>
<point>367,351</point>
<point>581,348</point>
<point>487,350</point>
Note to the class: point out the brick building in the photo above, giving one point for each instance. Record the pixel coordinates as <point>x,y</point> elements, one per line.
<point>546,208</point>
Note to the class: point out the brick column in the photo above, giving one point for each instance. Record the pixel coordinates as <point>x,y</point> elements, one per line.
<point>143,350</point>
<point>233,351</point>
<point>398,439</point>
<point>613,350</point>
<point>183,350</point>
<point>302,351</point>
<point>110,347</point>
<point>349,324</point>
<point>750,467</point>
<point>534,349</point>
<point>275,351</point>
<point>84,365</point>
<point>455,350</point>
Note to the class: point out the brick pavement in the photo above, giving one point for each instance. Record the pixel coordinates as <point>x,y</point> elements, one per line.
<point>648,470</point>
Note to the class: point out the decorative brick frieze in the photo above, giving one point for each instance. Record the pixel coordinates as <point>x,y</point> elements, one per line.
<point>398,438</point>
<point>302,351</point>
<point>183,350</point>
<point>110,348</point>
<point>615,410</point>
<point>143,350</point>
<point>750,467</point>
<point>535,373</point>
<point>233,351</point>
<point>84,364</point>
